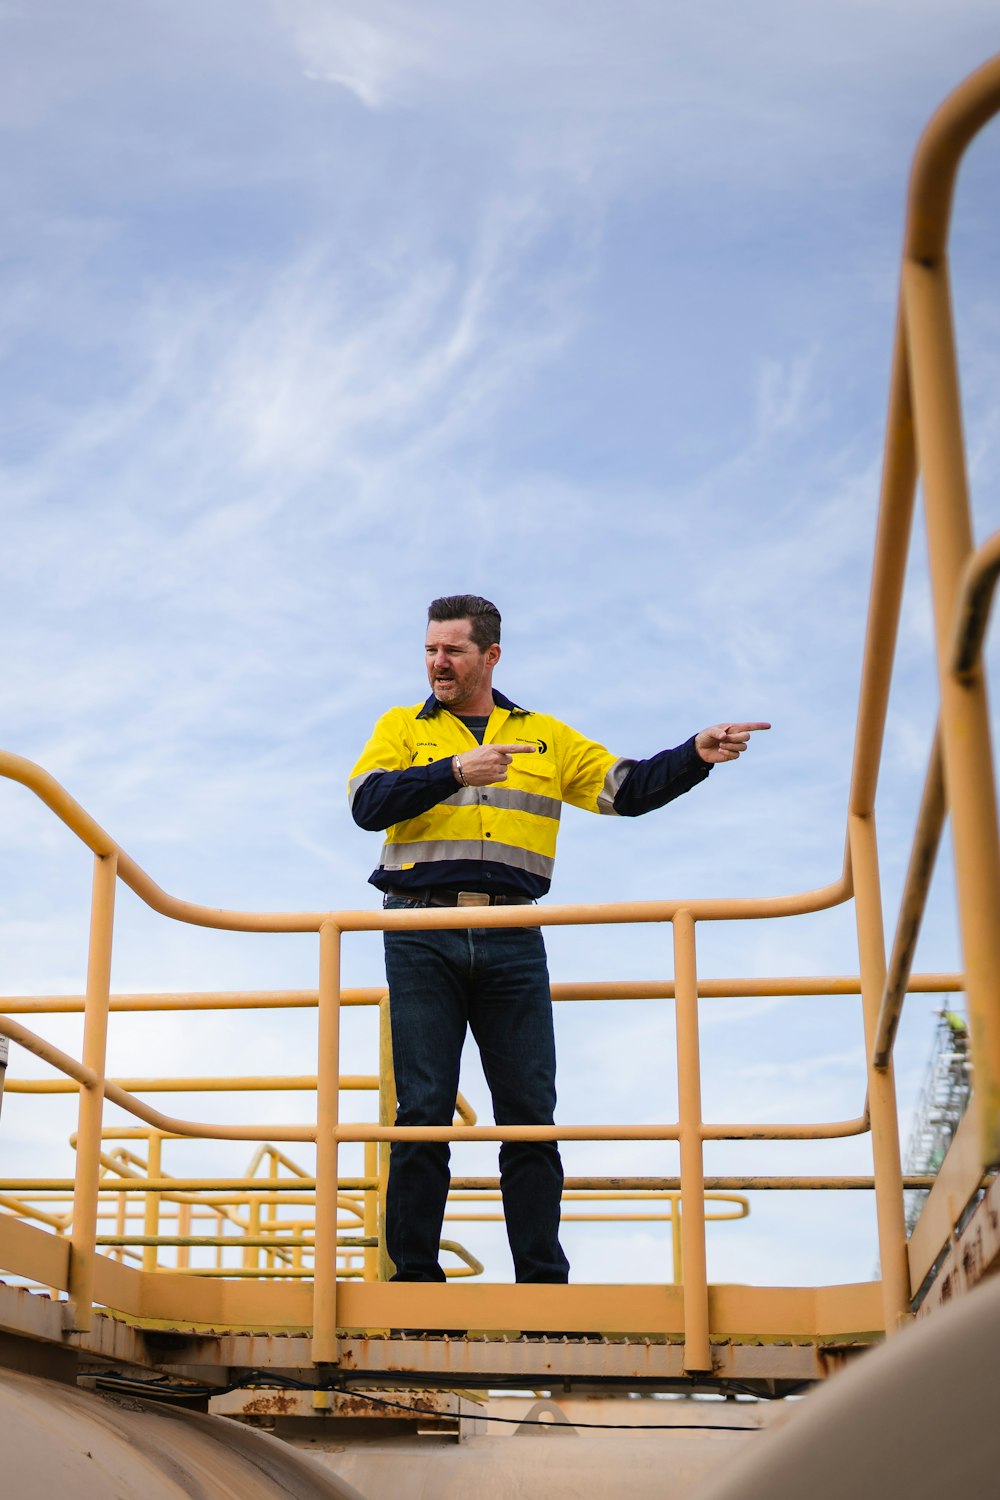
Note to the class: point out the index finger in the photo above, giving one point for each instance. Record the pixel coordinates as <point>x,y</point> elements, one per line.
<point>516,749</point>
<point>745,728</point>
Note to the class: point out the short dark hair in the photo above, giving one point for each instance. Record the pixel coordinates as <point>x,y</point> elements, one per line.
<point>483,617</point>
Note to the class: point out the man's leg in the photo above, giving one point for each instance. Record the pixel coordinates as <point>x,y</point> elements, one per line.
<point>511,1018</point>
<point>427,1009</point>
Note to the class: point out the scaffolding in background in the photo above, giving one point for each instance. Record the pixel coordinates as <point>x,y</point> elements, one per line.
<point>943,1101</point>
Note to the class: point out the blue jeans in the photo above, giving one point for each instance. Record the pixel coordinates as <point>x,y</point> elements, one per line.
<point>496,982</point>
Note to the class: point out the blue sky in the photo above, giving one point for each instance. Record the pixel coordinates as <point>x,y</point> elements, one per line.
<point>312,311</point>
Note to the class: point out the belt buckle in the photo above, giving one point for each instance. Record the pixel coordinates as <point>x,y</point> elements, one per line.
<point>472,898</point>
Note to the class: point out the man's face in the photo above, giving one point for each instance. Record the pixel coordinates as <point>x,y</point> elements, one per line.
<point>456,668</point>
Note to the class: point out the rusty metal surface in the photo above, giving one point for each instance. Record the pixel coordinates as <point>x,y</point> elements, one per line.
<point>57,1440</point>
<point>974,1255</point>
<point>957,1181</point>
<point>490,1415</point>
<point>471,1362</point>
<point>287,1411</point>
<point>495,1362</point>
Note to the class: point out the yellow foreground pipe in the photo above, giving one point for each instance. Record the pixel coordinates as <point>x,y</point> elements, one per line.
<point>965,721</point>
<point>79,1307</point>
<point>881,1084</point>
<point>697,1351</point>
<point>324,1344</point>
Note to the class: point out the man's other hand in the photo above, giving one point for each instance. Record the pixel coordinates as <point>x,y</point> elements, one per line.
<point>488,764</point>
<point>724,741</point>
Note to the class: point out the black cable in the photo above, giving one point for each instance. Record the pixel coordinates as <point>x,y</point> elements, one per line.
<point>258,1378</point>
<point>586,1426</point>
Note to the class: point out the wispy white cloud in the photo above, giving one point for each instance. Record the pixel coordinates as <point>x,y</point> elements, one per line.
<point>370,57</point>
<point>617,87</point>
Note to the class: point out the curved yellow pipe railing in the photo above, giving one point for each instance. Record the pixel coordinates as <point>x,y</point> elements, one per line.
<point>78,820</point>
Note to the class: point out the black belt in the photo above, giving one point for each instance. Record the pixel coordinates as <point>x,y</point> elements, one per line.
<point>437,897</point>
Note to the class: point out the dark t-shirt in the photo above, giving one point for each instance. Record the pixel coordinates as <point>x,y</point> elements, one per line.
<point>475,723</point>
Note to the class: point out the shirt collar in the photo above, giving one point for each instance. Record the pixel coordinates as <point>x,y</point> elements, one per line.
<point>432,705</point>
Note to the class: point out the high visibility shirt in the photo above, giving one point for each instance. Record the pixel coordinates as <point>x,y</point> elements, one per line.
<point>498,838</point>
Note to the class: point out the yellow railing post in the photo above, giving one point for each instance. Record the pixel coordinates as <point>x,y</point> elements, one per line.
<point>965,720</point>
<point>370,1207</point>
<point>324,1345</point>
<point>121,1225</point>
<point>88,1139</point>
<point>151,1214</point>
<point>251,1252</point>
<point>184,1229</point>
<point>881,1082</point>
<point>697,1350</point>
<point>386,1116</point>
<point>271,1259</point>
<point>676,1238</point>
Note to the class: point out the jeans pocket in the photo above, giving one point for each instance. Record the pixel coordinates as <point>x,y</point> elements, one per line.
<point>402,903</point>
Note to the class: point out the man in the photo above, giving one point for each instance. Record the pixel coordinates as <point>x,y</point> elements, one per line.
<point>470,788</point>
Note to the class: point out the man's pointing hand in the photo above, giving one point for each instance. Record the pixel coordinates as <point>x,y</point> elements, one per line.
<point>724,741</point>
<point>487,763</point>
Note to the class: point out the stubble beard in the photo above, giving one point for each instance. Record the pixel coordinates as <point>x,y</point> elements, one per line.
<point>459,693</point>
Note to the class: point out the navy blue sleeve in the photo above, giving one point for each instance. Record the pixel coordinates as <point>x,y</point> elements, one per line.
<point>387,797</point>
<point>655,782</point>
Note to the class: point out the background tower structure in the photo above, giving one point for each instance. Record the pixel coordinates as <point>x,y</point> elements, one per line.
<point>942,1103</point>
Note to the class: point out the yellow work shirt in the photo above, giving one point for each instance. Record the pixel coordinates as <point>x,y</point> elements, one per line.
<point>498,838</point>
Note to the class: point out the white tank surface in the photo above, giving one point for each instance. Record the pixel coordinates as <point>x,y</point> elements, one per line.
<point>917,1418</point>
<point>56,1440</point>
<point>612,1466</point>
<point>556,1462</point>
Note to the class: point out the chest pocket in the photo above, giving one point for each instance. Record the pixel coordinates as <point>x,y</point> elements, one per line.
<point>534,774</point>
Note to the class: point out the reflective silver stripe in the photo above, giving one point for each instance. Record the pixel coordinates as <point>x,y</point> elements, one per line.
<point>616,775</point>
<point>466,796</point>
<point>356,781</point>
<point>504,796</point>
<point>529,802</point>
<point>395,856</point>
